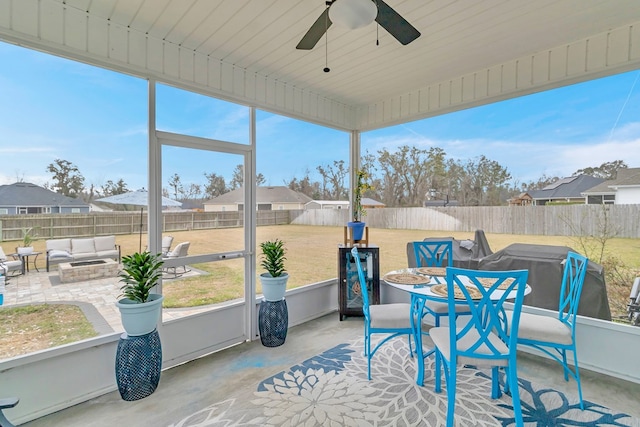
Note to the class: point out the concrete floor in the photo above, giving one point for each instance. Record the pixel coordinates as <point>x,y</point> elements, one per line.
<point>185,389</point>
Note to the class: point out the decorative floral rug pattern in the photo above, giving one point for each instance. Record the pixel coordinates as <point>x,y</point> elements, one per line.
<point>331,389</point>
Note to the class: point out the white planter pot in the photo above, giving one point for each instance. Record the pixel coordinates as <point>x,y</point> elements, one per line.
<point>140,319</point>
<point>25,250</point>
<point>273,288</point>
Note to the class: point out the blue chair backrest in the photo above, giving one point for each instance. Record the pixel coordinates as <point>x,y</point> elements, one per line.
<point>362,279</point>
<point>575,269</point>
<point>487,312</point>
<point>433,253</point>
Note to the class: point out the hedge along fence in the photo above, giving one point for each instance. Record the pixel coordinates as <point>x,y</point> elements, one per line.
<point>564,220</point>
<point>53,226</point>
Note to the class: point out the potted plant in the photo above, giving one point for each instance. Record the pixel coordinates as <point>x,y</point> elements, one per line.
<point>28,237</point>
<point>357,226</point>
<point>140,309</point>
<point>274,280</point>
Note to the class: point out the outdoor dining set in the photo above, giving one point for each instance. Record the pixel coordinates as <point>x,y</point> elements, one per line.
<point>473,317</point>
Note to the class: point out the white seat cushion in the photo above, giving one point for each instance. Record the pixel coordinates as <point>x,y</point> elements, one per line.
<point>440,337</point>
<point>104,243</point>
<point>443,307</point>
<point>59,254</point>
<point>394,316</point>
<point>543,328</point>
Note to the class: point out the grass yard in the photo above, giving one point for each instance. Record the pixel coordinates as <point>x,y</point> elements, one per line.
<point>311,257</point>
<point>35,327</point>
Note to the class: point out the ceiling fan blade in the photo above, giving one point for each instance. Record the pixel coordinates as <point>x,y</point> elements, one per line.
<point>395,24</point>
<point>316,31</point>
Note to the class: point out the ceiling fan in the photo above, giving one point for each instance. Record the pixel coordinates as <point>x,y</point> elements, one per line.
<point>358,13</point>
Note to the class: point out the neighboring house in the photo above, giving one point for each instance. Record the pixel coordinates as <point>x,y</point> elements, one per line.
<point>567,190</point>
<point>366,202</point>
<point>327,204</point>
<point>522,199</point>
<point>267,199</point>
<point>624,190</point>
<point>24,198</point>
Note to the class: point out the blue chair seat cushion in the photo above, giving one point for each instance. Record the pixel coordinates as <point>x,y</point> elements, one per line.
<point>544,328</point>
<point>390,316</point>
<point>440,337</point>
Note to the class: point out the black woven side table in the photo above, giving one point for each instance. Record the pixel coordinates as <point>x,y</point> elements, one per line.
<point>273,322</point>
<point>138,364</point>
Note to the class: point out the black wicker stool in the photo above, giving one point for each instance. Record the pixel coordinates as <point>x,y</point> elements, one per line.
<point>138,364</point>
<point>273,321</point>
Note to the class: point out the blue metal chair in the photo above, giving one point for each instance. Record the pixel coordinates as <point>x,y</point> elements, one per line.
<point>7,403</point>
<point>436,253</point>
<point>555,335</point>
<point>391,319</point>
<point>482,340</point>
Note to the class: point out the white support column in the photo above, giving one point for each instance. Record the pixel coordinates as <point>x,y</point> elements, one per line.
<point>250,229</point>
<point>154,207</point>
<point>354,165</point>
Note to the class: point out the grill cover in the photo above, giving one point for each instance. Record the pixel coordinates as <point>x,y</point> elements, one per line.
<point>545,267</point>
<point>466,253</point>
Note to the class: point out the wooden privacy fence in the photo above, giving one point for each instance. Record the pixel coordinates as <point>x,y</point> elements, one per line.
<point>562,220</point>
<point>567,220</point>
<point>50,226</point>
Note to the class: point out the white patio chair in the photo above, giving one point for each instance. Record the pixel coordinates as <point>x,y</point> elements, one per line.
<point>181,250</point>
<point>10,267</point>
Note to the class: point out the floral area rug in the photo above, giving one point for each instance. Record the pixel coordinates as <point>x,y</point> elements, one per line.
<point>331,389</point>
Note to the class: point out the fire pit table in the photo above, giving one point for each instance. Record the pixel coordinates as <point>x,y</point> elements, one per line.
<point>77,271</point>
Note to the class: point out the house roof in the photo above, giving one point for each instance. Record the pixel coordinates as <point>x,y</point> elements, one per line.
<point>625,177</point>
<point>565,188</point>
<point>27,194</point>
<point>279,194</point>
<point>469,52</point>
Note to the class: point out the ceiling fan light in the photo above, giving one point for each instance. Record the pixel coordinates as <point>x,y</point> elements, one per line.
<point>353,14</point>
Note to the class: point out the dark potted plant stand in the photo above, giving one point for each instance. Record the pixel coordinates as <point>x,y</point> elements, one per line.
<point>273,322</point>
<point>138,365</point>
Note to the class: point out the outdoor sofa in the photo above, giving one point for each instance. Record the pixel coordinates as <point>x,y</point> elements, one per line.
<point>68,250</point>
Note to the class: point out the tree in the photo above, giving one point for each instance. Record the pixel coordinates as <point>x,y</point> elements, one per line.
<point>67,178</point>
<point>407,174</point>
<point>484,181</point>
<point>237,179</point>
<point>175,184</point>
<point>305,186</point>
<point>607,170</point>
<point>333,177</point>
<point>215,185</point>
<point>111,188</point>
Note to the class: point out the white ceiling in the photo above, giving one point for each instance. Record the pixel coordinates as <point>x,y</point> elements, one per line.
<point>478,38</point>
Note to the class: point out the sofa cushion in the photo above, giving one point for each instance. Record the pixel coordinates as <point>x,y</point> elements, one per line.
<point>82,246</point>
<point>113,253</point>
<point>59,244</point>
<point>59,254</point>
<point>104,243</point>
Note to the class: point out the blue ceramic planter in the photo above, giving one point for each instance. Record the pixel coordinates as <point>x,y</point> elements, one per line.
<point>357,229</point>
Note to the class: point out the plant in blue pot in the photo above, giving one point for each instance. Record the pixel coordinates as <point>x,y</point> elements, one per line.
<point>357,225</point>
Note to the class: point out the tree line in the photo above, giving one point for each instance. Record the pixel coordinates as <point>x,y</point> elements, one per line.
<point>406,177</point>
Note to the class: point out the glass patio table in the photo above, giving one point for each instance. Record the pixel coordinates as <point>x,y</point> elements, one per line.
<point>423,287</point>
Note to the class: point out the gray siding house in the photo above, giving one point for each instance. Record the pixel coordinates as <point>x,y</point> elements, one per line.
<point>270,198</point>
<point>568,190</point>
<point>623,190</point>
<point>22,198</point>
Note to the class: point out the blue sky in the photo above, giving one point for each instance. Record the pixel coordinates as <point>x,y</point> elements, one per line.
<point>54,108</point>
